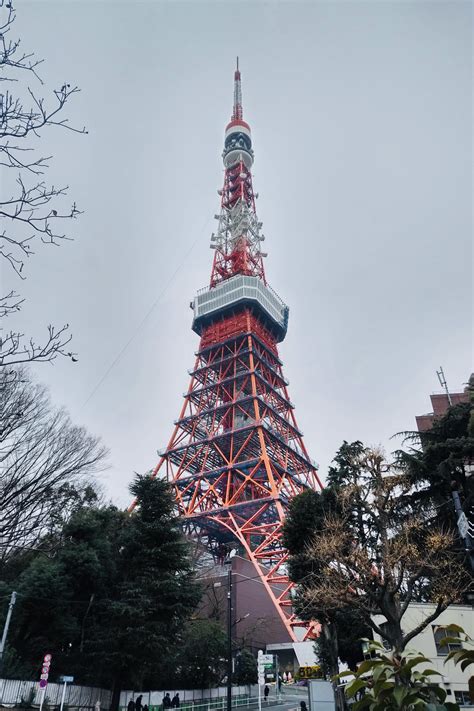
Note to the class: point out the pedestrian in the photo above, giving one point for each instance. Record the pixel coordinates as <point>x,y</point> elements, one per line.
<point>303,706</point>
<point>145,707</point>
<point>266,691</point>
<point>166,701</point>
<point>175,702</point>
<point>138,703</point>
<point>131,705</point>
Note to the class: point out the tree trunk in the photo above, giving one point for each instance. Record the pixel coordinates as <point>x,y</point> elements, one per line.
<point>116,691</point>
<point>391,609</point>
<point>330,635</point>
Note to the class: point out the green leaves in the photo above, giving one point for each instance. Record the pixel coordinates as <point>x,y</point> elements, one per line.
<point>393,683</point>
<point>464,657</point>
<point>354,686</point>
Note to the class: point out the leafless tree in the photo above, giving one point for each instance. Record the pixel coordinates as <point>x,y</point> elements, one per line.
<point>31,211</point>
<point>43,459</point>
<point>385,558</point>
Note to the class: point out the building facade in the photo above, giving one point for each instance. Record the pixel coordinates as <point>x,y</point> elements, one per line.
<point>452,678</point>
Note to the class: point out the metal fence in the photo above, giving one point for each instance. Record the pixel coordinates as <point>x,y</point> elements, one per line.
<point>15,692</point>
<point>193,699</point>
<point>220,704</point>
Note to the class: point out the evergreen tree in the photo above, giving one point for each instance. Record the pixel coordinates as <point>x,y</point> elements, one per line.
<point>245,667</point>
<point>439,461</point>
<point>154,594</point>
<point>201,661</point>
<point>112,602</point>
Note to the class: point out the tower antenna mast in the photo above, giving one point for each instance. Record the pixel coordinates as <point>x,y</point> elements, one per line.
<point>443,383</point>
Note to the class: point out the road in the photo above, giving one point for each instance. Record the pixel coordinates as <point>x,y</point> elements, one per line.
<point>290,700</point>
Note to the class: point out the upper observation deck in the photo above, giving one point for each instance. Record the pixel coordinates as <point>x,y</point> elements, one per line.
<point>237,292</point>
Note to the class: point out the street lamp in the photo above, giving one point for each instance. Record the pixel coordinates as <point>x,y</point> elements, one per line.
<point>228,561</point>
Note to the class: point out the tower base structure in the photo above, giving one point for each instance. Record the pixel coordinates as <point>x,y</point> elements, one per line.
<point>237,458</point>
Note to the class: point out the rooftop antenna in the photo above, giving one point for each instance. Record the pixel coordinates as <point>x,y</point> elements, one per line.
<point>237,112</point>
<point>443,383</point>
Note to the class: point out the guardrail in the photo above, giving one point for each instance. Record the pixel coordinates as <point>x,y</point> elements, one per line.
<point>219,704</point>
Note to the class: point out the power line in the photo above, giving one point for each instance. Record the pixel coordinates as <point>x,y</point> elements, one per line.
<point>146,317</point>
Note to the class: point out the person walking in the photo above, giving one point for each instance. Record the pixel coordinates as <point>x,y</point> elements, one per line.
<point>166,701</point>
<point>175,702</point>
<point>131,705</point>
<point>266,691</point>
<point>138,703</point>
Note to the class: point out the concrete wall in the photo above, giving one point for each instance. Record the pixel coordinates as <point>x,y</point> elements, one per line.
<point>263,625</point>
<point>256,621</point>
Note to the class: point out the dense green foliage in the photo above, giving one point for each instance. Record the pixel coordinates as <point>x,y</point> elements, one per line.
<point>388,683</point>
<point>201,660</point>
<point>439,460</point>
<point>111,603</point>
<point>245,668</point>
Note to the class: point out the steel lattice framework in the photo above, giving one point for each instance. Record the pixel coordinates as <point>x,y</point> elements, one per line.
<point>236,457</point>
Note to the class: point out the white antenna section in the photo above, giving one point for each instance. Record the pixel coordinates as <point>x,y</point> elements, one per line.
<point>236,223</point>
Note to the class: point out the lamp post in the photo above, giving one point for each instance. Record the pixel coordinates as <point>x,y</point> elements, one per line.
<point>3,641</point>
<point>229,637</point>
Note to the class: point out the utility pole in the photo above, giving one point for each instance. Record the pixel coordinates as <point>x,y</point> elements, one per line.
<point>7,625</point>
<point>229,637</point>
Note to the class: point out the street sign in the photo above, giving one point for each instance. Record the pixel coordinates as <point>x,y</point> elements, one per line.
<point>463,525</point>
<point>66,679</point>
<point>265,659</point>
<point>45,671</point>
<point>261,679</point>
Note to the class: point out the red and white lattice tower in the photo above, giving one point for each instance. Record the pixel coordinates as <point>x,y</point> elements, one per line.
<point>236,456</point>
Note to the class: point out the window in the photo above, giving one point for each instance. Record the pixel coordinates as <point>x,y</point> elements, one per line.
<point>463,698</point>
<point>439,633</point>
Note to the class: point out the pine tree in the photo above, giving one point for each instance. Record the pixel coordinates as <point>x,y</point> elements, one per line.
<point>154,594</point>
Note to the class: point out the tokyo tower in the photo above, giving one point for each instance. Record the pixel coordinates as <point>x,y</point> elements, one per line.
<point>236,457</point>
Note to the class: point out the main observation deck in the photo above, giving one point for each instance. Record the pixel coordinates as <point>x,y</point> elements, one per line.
<point>234,294</point>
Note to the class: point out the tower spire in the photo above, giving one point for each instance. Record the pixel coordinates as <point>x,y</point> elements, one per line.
<point>238,239</point>
<point>238,111</point>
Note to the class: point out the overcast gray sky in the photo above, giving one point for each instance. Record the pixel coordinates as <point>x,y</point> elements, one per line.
<point>361,120</point>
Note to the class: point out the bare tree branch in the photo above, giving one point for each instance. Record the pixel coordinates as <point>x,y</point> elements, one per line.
<point>376,562</point>
<point>41,454</point>
<point>32,213</point>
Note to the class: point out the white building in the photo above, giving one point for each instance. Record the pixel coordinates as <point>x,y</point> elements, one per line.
<point>427,643</point>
